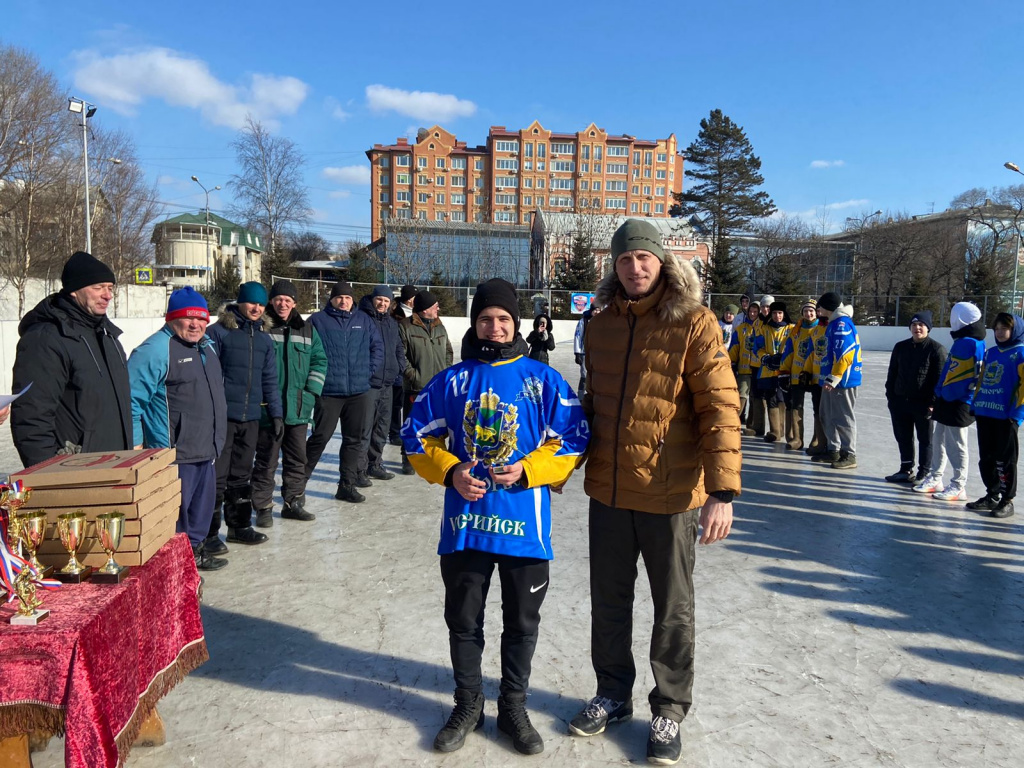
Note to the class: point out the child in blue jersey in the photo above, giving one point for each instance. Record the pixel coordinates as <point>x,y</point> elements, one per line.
<point>999,409</point>
<point>954,395</point>
<point>497,430</point>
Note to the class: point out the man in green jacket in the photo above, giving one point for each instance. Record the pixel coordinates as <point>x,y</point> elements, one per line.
<point>427,352</point>
<point>301,366</point>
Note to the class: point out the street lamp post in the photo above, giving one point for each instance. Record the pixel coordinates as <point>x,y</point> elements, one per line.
<point>87,110</point>
<point>1016,225</point>
<point>207,234</point>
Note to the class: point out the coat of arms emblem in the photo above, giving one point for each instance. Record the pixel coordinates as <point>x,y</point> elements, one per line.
<point>489,429</point>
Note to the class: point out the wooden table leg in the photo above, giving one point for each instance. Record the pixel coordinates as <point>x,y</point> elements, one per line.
<point>14,752</point>
<point>152,733</point>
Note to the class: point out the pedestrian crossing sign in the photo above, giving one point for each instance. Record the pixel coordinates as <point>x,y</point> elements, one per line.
<point>143,275</point>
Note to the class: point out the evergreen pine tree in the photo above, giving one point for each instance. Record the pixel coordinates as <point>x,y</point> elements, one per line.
<point>578,272</point>
<point>725,197</point>
<point>361,268</point>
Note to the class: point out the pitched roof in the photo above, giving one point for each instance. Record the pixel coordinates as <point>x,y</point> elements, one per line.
<point>246,237</point>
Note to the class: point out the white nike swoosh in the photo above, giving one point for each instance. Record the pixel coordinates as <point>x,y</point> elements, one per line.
<point>538,588</point>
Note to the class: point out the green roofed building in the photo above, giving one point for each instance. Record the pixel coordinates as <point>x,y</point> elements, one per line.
<point>191,246</point>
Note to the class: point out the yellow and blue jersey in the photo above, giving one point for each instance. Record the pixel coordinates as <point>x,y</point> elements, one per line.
<point>959,375</point>
<point>768,348</point>
<point>1000,391</point>
<point>841,365</point>
<point>741,347</point>
<point>497,413</point>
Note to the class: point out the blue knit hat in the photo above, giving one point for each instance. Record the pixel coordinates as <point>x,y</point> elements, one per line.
<point>187,302</point>
<point>252,293</point>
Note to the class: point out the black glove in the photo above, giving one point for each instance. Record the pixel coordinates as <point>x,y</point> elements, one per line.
<point>278,429</point>
<point>784,383</point>
<point>579,359</point>
<point>805,379</point>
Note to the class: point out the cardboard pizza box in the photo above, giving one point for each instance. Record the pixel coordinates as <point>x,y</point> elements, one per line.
<point>101,494</point>
<point>100,468</point>
<point>151,526</point>
<point>132,512</point>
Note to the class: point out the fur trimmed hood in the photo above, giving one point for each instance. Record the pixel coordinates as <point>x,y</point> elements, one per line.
<point>683,291</point>
<point>231,318</point>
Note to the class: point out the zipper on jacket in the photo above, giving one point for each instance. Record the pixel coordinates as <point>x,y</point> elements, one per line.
<point>248,384</point>
<point>618,417</point>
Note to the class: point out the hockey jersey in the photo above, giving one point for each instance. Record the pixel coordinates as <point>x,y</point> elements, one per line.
<point>497,414</point>
<point>1000,392</point>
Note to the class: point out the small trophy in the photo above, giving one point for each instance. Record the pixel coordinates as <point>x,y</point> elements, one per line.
<point>109,530</point>
<point>29,613</point>
<point>32,530</point>
<point>71,527</point>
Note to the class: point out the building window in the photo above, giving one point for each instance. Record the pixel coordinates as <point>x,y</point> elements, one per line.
<point>541,165</point>
<point>598,152</point>
<point>618,151</point>
<point>503,164</point>
<point>504,216</point>
<point>527,183</point>
<point>596,186</point>
<point>403,197</point>
<point>385,180</point>
<point>540,183</point>
<point>458,199</point>
<point>636,189</point>
<point>617,168</point>
<point>647,173</point>
<point>634,208</point>
<point>648,158</point>
<point>542,149</point>
<point>563,166</point>
<point>540,202</point>
<point>421,215</point>
<point>403,213</point>
<point>527,200</point>
<point>478,199</point>
<point>439,198</point>
<point>563,184</point>
<point>660,175</point>
<point>636,173</point>
<point>585,168</point>
<point>439,181</point>
<point>647,207</point>
<point>659,191</point>
<point>526,218</point>
<point>440,216</point>
<point>439,163</point>
<point>384,161</point>
<point>422,179</point>
<point>459,163</point>
<point>659,207</point>
<point>647,189</point>
<point>458,181</point>
<point>506,146</point>
<point>662,157</point>
<point>505,199</point>
<point>561,201</point>
<point>527,165</point>
<point>403,160</point>
<point>636,158</point>
<point>458,215</point>
<point>506,181</point>
<point>615,203</point>
<point>584,184</point>
<point>478,183</point>
<point>403,178</point>
<point>585,151</point>
<point>478,164</point>
<point>422,197</point>
<point>615,186</point>
<point>421,162</point>
<point>528,149</point>
<point>597,167</point>
<point>562,148</point>
<point>385,197</point>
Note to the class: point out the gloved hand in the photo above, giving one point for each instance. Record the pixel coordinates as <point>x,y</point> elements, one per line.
<point>278,429</point>
<point>805,379</point>
<point>784,382</point>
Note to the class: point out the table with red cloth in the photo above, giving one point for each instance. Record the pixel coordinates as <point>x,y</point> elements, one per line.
<point>96,667</point>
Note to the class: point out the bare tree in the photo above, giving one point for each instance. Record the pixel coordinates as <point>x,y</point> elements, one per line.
<point>269,189</point>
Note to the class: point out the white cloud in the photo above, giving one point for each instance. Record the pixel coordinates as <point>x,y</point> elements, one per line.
<point>334,108</point>
<point>349,174</point>
<point>423,105</point>
<point>124,81</point>
<point>827,163</point>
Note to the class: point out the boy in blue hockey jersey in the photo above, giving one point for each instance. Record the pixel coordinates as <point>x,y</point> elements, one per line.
<point>497,429</point>
<point>999,408</point>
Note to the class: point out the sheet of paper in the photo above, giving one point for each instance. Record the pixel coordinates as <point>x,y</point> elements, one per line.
<point>6,400</point>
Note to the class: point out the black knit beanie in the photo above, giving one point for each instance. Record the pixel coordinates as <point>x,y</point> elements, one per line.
<point>924,317</point>
<point>495,293</point>
<point>830,301</point>
<point>342,288</point>
<point>84,269</point>
<point>284,288</point>
<point>424,300</point>
<point>408,292</point>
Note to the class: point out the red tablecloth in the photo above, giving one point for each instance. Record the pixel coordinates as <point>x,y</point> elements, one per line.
<point>95,668</point>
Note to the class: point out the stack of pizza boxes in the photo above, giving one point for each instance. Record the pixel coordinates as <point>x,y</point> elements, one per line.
<point>142,484</point>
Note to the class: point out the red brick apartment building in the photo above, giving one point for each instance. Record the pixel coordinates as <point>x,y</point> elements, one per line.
<point>516,173</point>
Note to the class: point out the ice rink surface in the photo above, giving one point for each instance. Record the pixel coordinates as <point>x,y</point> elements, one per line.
<point>845,622</point>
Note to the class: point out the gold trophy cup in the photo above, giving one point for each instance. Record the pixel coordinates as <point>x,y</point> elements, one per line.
<point>109,530</point>
<point>71,527</point>
<point>32,530</point>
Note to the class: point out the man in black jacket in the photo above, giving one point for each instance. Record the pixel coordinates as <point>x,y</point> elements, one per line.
<point>910,392</point>
<point>80,399</point>
<point>389,375</point>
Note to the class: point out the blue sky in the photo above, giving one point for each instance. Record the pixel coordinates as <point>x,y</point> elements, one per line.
<point>852,106</point>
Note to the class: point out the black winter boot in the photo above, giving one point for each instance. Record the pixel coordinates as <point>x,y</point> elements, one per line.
<point>468,715</point>
<point>206,561</point>
<point>349,493</point>
<point>296,510</point>
<point>513,720</point>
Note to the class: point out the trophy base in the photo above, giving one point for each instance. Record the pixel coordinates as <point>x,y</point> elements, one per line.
<point>45,573</point>
<point>32,619</point>
<point>101,577</point>
<point>74,578</point>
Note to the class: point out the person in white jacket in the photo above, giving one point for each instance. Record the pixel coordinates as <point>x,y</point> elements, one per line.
<point>577,344</point>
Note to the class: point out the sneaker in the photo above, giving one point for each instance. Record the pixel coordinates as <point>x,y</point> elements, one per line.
<point>468,715</point>
<point>985,504</point>
<point>845,461</point>
<point>377,472</point>
<point>953,492</point>
<point>247,535</point>
<point>407,467</point>
<point>932,483</point>
<point>903,476</point>
<point>1003,509</point>
<point>350,494</point>
<point>828,457</point>
<point>362,481</point>
<point>265,517</point>
<point>514,720</point>
<point>214,545</point>
<point>598,713</point>
<point>663,745</point>
<point>294,510</point>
